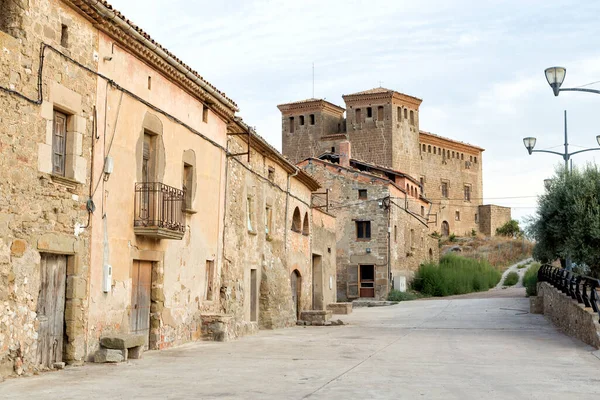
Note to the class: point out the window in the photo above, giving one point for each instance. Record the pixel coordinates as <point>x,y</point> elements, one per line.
<point>467,193</point>
<point>363,230</point>
<point>268,220</point>
<point>405,113</point>
<point>445,190</point>
<point>457,216</point>
<point>306,225</point>
<point>429,149</point>
<point>476,218</point>
<point>399,116</point>
<point>412,238</point>
<point>395,233</point>
<point>302,120</point>
<point>380,113</point>
<point>291,124</point>
<point>250,214</point>
<point>424,148</point>
<point>362,194</point>
<point>312,119</point>
<point>471,158</point>
<point>462,156</point>
<point>358,116</point>
<point>64,36</point>
<point>188,179</point>
<point>59,143</point>
<point>296,220</point>
<point>333,149</point>
<point>369,112</point>
<point>271,174</point>
<point>434,150</point>
<point>210,273</point>
<point>412,117</point>
<point>475,160</point>
<point>422,182</point>
<point>204,114</point>
<point>452,154</point>
<point>422,211</point>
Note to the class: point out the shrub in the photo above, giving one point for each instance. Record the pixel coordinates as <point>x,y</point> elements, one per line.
<point>511,279</point>
<point>452,237</point>
<point>530,279</point>
<point>510,229</point>
<point>455,275</point>
<point>396,295</point>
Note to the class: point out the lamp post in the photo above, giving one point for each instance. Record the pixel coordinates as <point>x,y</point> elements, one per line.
<point>556,76</point>
<point>529,143</point>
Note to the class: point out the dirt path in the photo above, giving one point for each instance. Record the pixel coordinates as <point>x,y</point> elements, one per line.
<point>513,268</point>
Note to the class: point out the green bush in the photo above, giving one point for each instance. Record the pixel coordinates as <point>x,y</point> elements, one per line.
<point>396,295</point>
<point>530,279</point>
<point>510,229</point>
<point>511,279</point>
<point>455,275</point>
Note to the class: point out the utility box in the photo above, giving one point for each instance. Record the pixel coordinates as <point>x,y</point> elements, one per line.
<point>400,283</point>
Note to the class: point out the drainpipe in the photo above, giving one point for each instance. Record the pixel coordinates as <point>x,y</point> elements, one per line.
<point>389,258</point>
<point>287,200</point>
<point>111,15</point>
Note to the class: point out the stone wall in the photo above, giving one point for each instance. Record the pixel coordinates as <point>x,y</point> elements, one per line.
<point>492,217</point>
<point>324,246</point>
<point>567,314</point>
<point>42,213</point>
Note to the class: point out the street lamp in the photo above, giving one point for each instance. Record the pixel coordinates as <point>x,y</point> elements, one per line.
<point>556,76</point>
<point>529,143</point>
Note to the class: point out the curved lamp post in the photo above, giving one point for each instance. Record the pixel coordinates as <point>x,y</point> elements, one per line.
<point>556,76</point>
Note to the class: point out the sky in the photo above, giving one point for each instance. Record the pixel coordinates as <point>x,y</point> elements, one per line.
<point>477,65</point>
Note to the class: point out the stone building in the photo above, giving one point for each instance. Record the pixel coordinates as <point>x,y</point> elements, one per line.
<point>383,127</point>
<point>492,217</point>
<point>279,258</point>
<point>381,219</point>
<point>47,120</point>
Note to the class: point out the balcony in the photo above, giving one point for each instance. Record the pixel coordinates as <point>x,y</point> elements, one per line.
<point>159,211</point>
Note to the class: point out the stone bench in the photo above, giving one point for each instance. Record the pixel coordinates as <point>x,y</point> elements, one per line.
<point>340,308</point>
<point>120,347</point>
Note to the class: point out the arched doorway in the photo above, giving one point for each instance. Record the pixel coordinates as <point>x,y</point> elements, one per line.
<point>445,228</point>
<point>296,286</point>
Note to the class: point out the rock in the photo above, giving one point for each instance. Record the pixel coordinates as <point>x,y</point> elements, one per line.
<point>317,323</point>
<point>299,322</point>
<point>135,353</point>
<point>18,247</point>
<point>340,322</point>
<point>122,341</point>
<point>108,356</point>
<point>59,365</point>
<point>327,323</point>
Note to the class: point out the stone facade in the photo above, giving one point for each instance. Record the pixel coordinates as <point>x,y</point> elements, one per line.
<point>274,238</point>
<point>567,314</point>
<point>383,127</point>
<point>399,239</point>
<point>492,217</point>
<point>43,213</point>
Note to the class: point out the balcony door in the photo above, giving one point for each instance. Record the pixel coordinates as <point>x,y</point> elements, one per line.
<point>148,171</point>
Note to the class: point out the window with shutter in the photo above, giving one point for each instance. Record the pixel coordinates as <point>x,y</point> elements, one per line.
<point>59,143</point>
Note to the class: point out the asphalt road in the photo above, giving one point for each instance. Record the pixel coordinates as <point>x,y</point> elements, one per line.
<point>488,348</point>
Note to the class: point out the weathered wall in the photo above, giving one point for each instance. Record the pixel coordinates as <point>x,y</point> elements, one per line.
<point>41,213</point>
<point>352,252</point>
<point>458,166</point>
<point>324,245</point>
<point>180,284</point>
<point>492,217</point>
<point>568,315</point>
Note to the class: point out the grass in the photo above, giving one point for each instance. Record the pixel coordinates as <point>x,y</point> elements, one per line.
<point>521,266</point>
<point>511,279</point>
<point>455,275</point>
<point>396,295</point>
<point>530,279</point>
<point>500,252</point>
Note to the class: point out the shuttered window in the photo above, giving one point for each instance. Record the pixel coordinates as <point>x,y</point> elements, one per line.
<point>59,143</point>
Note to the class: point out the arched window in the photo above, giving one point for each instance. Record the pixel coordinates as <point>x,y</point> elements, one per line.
<point>297,221</point>
<point>434,150</point>
<point>423,148</point>
<point>429,149</point>
<point>412,117</point>
<point>305,225</point>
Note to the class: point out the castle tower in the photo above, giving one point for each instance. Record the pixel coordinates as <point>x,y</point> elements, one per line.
<point>383,127</point>
<point>310,128</point>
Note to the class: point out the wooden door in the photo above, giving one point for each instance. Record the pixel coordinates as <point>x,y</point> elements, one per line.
<point>445,228</point>
<point>51,309</point>
<point>317,282</point>
<point>352,282</point>
<point>296,286</point>
<point>367,281</point>
<point>141,278</point>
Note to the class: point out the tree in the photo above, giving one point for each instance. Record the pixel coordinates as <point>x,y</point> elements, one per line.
<point>510,229</point>
<point>567,221</point>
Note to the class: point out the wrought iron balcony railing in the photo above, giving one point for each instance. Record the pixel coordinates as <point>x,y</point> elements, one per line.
<point>159,211</point>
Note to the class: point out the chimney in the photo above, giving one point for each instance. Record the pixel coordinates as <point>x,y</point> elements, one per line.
<point>345,153</point>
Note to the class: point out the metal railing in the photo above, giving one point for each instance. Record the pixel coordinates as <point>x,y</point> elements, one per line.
<point>159,205</point>
<point>582,288</point>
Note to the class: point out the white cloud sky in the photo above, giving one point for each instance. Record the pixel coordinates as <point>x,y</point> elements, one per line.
<point>477,65</point>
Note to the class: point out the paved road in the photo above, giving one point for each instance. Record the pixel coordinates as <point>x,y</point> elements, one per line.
<point>436,349</point>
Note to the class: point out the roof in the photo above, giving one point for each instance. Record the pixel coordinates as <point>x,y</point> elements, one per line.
<point>381,91</point>
<point>310,103</point>
<point>261,145</point>
<point>433,135</point>
<point>109,14</point>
